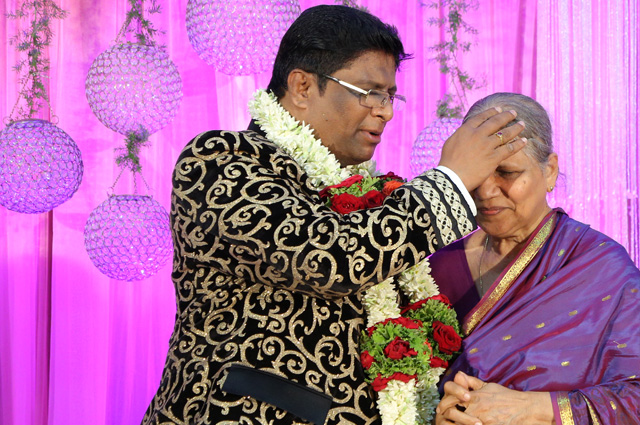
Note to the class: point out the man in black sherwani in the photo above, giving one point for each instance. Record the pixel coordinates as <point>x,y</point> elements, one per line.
<point>269,281</point>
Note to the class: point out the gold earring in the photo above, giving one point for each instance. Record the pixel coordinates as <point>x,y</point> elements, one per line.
<point>550,188</point>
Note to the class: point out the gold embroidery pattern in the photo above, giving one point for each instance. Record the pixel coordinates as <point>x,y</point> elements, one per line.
<point>452,198</point>
<point>473,351</point>
<point>613,405</point>
<point>511,275</point>
<point>266,276</point>
<point>573,313</point>
<point>564,406</point>
<point>607,298</point>
<point>561,253</point>
<point>506,337</point>
<point>531,368</point>
<point>567,363</point>
<point>540,325</point>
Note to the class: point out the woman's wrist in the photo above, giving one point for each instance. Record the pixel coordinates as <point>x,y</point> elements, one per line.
<point>541,407</point>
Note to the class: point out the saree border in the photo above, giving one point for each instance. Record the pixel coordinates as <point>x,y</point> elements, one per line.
<point>511,275</point>
<point>564,406</point>
<point>592,411</point>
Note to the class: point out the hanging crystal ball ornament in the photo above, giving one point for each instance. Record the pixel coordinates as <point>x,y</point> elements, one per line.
<point>131,86</point>
<point>40,166</point>
<point>425,153</point>
<point>239,37</point>
<point>128,237</point>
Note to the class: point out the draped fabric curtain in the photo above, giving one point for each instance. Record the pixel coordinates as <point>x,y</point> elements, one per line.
<point>77,347</point>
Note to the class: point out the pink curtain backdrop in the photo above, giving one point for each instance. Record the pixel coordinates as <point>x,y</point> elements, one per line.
<point>77,348</point>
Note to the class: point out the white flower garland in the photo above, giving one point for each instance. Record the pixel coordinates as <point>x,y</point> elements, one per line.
<point>400,403</point>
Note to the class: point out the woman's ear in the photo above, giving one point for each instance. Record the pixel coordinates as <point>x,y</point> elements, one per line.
<point>551,170</point>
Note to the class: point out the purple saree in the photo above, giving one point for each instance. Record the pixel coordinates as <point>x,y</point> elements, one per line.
<point>564,317</point>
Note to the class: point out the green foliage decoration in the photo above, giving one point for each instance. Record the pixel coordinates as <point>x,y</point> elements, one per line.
<point>33,67</point>
<point>142,28</point>
<point>448,51</point>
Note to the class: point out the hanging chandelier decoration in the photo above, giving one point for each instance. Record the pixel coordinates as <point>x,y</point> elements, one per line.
<point>134,85</point>
<point>128,237</point>
<point>134,89</point>
<point>425,153</point>
<point>40,165</point>
<point>239,37</point>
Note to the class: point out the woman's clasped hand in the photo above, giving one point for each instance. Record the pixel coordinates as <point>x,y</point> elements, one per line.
<point>469,401</point>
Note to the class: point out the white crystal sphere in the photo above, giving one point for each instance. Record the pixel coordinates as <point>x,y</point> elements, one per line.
<point>239,37</point>
<point>128,237</point>
<point>131,87</point>
<point>425,153</point>
<point>40,166</point>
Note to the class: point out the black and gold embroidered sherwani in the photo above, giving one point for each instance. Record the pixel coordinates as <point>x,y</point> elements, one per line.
<point>269,284</point>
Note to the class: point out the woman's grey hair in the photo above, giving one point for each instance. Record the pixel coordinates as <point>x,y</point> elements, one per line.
<point>538,126</point>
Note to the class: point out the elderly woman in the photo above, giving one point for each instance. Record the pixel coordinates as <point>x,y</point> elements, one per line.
<point>550,308</point>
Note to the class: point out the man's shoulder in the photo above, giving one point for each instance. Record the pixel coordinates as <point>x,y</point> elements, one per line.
<point>216,142</point>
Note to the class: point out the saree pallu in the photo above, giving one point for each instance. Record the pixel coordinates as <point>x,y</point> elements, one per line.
<point>564,317</point>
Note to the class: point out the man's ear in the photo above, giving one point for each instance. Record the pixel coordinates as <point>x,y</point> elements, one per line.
<point>300,84</point>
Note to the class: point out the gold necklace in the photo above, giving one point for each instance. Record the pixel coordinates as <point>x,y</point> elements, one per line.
<point>486,244</point>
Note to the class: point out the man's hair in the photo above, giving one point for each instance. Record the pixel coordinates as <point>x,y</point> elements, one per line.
<point>327,38</point>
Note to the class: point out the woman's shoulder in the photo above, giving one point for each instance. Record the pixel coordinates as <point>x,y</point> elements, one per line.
<point>595,245</point>
<point>589,237</point>
<point>448,258</point>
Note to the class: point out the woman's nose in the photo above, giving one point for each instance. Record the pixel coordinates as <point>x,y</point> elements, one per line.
<point>488,189</point>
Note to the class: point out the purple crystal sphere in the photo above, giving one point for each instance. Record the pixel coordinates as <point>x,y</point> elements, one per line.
<point>425,153</point>
<point>131,87</point>
<point>128,237</point>
<point>40,166</point>
<point>239,37</point>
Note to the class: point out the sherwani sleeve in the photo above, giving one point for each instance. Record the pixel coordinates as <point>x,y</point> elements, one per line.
<point>242,196</point>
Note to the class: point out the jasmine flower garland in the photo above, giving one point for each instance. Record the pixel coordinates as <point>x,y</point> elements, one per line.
<point>407,392</point>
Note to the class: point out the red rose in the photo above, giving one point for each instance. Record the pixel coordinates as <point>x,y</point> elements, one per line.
<point>442,298</point>
<point>373,198</point>
<point>345,183</point>
<point>399,348</point>
<point>391,175</point>
<point>407,323</point>
<point>366,359</point>
<point>399,376</point>
<point>438,362</point>
<point>402,321</point>
<point>413,306</point>
<point>380,383</point>
<point>346,203</point>
<point>446,337</point>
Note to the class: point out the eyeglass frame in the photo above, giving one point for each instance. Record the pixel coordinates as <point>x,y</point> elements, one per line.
<point>390,98</point>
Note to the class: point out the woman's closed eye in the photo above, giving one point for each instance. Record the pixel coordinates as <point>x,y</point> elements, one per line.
<point>508,174</point>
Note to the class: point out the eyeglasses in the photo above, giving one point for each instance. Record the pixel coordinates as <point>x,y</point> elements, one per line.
<point>373,98</point>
